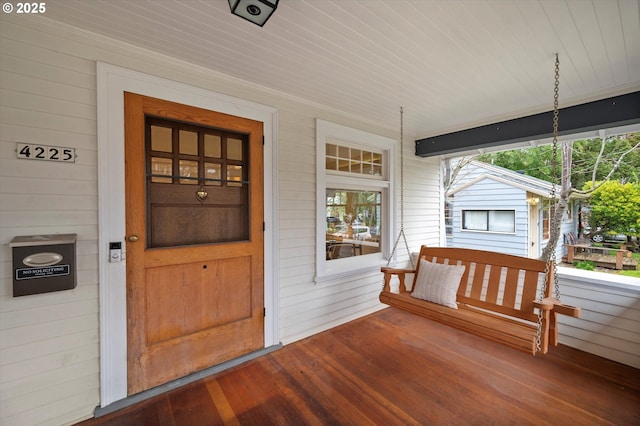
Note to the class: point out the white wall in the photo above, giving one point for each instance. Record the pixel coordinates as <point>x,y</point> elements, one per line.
<point>49,342</point>
<point>610,322</point>
<point>49,348</point>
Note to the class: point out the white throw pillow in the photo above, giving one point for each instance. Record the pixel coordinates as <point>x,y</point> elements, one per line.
<point>438,283</point>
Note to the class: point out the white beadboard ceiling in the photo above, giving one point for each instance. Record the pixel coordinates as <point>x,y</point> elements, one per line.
<point>452,64</point>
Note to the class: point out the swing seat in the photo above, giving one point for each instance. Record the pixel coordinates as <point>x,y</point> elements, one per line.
<point>496,298</point>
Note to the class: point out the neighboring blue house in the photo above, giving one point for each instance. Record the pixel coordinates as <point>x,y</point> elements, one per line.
<point>493,208</point>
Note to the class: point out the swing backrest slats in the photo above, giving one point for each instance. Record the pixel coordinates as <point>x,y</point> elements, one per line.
<point>497,282</point>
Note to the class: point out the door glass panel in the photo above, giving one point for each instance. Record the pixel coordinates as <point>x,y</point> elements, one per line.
<point>213,174</point>
<point>212,146</point>
<point>234,175</point>
<point>161,166</point>
<point>188,143</point>
<point>161,139</point>
<point>198,192</point>
<point>188,172</point>
<point>234,149</point>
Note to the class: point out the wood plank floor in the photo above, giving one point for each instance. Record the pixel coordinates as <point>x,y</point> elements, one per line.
<point>395,368</point>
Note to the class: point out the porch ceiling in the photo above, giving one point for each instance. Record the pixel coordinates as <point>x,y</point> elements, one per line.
<point>453,65</point>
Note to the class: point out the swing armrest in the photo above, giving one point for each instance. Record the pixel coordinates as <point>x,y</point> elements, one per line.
<point>550,307</point>
<point>569,310</point>
<point>551,303</point>
<point>544,304</point>
<point>400,272</point>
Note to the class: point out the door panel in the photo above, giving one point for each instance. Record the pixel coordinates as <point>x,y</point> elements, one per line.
<point>205,304</point>
<point>194,265</point>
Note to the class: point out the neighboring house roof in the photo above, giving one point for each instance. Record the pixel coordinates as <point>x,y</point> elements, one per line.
<point>527,183</point>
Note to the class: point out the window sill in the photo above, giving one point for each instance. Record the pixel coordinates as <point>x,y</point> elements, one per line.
<point>335,274</point>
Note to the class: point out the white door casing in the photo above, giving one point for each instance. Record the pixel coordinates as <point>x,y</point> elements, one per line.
<point>112,82</point>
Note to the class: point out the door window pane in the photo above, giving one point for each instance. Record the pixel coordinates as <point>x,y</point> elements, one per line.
<point>161,166</point>
<point>234,175</point>
<point>188,143</point>
<point>188,172</point>
<point>213,174</point>
<point>161,139</point>
<point>234,149</point>
<point>212,146</point>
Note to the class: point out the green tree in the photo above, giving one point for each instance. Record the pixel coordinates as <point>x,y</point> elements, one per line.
<point>593,160</point>
<point>614,206</point>
<point>534,162</point>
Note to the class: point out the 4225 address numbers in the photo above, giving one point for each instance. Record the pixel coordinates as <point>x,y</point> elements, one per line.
<point>27,151</point>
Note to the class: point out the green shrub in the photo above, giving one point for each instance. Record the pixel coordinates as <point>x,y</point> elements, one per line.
<point>587,265</point>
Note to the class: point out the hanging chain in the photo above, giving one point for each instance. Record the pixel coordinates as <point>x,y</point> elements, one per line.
<point>556,112</point>
<point>401,234</point>
<point>554,173</point>
<point>401,170</point>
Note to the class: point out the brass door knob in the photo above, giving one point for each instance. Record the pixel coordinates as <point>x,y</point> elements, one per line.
<point>133,238</point>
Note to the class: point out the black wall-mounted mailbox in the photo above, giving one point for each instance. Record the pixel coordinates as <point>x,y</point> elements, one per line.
<point>43,263</point>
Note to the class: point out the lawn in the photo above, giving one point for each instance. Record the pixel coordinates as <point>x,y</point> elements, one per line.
<point>635,273</point>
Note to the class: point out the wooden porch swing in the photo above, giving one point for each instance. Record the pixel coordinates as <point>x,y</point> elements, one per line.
<point>492,295</point>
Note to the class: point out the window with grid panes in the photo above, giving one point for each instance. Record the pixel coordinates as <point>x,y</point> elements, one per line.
<point>355,201</point>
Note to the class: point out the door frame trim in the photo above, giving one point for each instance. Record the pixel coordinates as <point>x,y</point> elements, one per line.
<point>112,82</point>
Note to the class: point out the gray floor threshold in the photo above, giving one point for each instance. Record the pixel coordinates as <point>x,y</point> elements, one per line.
<point>158,390</point>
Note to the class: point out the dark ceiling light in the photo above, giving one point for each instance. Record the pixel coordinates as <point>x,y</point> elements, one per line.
<point>256,11</point>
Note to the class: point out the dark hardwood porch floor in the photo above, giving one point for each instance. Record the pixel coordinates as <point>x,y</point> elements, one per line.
<point>395,368</point>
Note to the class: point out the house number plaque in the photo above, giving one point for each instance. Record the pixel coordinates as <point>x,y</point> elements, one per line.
<point>28,151</point>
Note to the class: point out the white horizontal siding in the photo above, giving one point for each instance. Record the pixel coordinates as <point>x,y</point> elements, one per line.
<point>610,322</point>
<point>423,203</point>
<point>48,343</point>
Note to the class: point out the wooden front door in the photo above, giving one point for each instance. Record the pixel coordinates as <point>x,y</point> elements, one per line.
<point>194,221</point>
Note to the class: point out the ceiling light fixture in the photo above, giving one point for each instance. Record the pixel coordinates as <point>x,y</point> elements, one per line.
<point>256,11</point>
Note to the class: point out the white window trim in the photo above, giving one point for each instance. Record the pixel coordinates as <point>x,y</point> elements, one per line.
<point>358,265</point>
